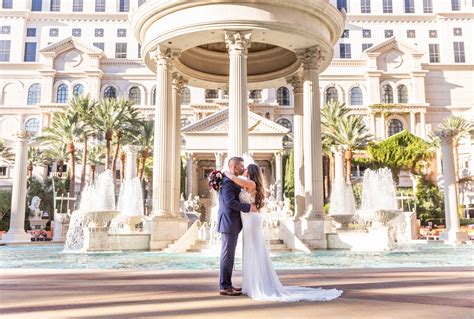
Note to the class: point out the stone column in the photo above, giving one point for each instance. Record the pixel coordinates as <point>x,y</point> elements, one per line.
<point>237,44</point>
<point>219,160</point>
<point>383,116</point>
<point>297,83</point>
<point>189,170</point>
<point>452,233</point>
<point>338,152</point>
<point>178,86</point>
<point>279,176</point>
<point>373,130</point>
<point>131,161</point>
<point>16,233</point>
<point>163,135</point>
<point>422,124</point>
<point>412,123</point>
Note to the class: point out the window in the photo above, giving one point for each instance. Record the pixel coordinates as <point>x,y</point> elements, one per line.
<point>186,96</point>
<point>365,6</point>
<point>434,53</point>
<point>37,5</point>
<point>99,5</point>
<point>30,52</point>
<point>427,6</point>
<point>387,94</point>
<point>77,6</point>
<point>409,6</point>
<point>345,50</point>
<point>255,94</point>
<point>459,52</point>
<point>331,94</point>
<point>388,33</point>
<point>34,94</point>
<point>394,127</point>
<point>366,33</point>
<point>99,45</point>
<point>387,6</point>
<point>455,5</point>
<point>135,95</point>
<point>32,126</point>
<point>211,95</point>
<point>7,4</point>
<point>283,96</point>
<point>355,96</point>
<point>124,5</point>
<point>31,32</point>
<point>457,32</point>
<point>121,33</point>
<point>365,46</point>
<point>402,93</point>
<point>342,4</point>
<point>53,32</point>
<point>110,93</point>
<point>185,122</point>
<point>55,5</point>
<point>286,124</point>
<point>411,34</point>
<point>5,50</point>
<point>76,32</point>
<point>5,29</point>
<point>433,34</point>
<point>121,50</point>
<point>3,171</point>
<point>61,94</point>
<point>78,90</point>
<point>153,96</point>
<point>99,33</point>
<point>345,33</point>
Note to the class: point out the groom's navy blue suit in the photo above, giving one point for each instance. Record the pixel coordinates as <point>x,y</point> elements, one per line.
<point>229,225</point>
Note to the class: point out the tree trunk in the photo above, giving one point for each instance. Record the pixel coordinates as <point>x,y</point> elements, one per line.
<point>59,168</point>
<point>30,169</point>
<point>92,167</point>
<point>122,169</point>
<point>456,159</point>
<point>348,158</point>
<point>145,155</point>
<point>84,163</point>
<point>108,138</point>
<point>118,135</point>
<point>72,163</point>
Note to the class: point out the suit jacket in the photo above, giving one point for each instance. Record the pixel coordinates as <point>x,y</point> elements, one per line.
<point>230,207</point>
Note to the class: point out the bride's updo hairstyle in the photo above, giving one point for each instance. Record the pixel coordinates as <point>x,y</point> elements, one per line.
<point>256,175</point>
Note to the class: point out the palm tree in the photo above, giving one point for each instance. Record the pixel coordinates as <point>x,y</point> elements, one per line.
<point>5,152</point>
<point>351,133</point>
<point>95,157</point>
<point>65,129</point>
<point>56,152</point>
<point>83,108</point>
<point>144,139</point>
<point>331,114</point>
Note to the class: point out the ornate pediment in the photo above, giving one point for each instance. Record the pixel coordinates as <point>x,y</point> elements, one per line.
<point>219,123</point>
<point>394,43</point>
<point>68,44</point>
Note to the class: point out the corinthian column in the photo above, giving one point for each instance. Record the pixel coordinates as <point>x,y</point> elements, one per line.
<point>16,233</point>
<point>297,84</point>
<point>313,166</point>
<point>178,86</point>
<point>163,137</point>
<point>279,176</point>
<point>131,161</point>
<point>452,233</point>
<point>237,44</point>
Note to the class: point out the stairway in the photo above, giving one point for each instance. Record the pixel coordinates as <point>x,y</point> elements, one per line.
<point>198,246</point>
<point>275,245</point>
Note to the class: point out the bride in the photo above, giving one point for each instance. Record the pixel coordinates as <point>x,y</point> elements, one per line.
<point>259,279</point>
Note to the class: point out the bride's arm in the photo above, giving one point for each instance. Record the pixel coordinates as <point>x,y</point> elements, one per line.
<point>245,183</point>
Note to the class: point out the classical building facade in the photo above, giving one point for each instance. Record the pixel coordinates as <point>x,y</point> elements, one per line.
<point>414,56</point>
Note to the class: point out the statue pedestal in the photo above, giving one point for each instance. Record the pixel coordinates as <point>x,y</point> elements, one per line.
<point>164,230</point>
<point>314,231</point>
<point>37,221</point>
<point>60,227</point>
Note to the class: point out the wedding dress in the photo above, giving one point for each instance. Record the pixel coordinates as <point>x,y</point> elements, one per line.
<point>259,279</point>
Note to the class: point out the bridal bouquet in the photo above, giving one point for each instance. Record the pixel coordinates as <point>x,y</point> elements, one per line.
<point>215,179</point>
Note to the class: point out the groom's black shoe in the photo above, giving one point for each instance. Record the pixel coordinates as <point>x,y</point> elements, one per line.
<point>229,292</point>
<point>237,289</point>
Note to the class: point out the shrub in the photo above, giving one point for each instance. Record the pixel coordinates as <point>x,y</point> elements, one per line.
<point>429,202</point>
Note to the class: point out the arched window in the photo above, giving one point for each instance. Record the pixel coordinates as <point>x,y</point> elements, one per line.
<point>394,127</point>
<point>212,94</point>
<point>355,96</point>
<point>32,126</point>
<point>402,93</point>
<point>331,94</point>
<point>283,96</point>
<point>78,90</point>
<point>255,94</point>
<point>110,93</point>
<point>153,96</point>
<point>135,95</point>
<point>34,94</point>
<point>387,94</point>
<point>61,94</point>
<point>184,122</point>
<point>186,96</point>
<point>285,123</point>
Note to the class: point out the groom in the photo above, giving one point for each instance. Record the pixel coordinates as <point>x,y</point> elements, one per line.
<point>230,225</point>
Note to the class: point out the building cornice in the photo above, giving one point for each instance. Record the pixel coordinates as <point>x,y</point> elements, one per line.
<point>79,16</point>
<point>404,18</point>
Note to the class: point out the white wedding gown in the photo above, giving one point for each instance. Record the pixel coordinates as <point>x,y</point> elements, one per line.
<point>259,279</point>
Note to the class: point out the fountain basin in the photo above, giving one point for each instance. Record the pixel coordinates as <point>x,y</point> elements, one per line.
<point>344,220</point>
<point>381,216</point>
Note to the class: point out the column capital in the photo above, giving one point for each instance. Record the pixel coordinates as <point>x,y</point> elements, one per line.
<point>311,58</point>
<point>23,136</point>
<point>237,41</point>
<point>163,57</point>
<point>296,81</point>
<point>338,149</point>
<point>178,82</point>
<point>131,149</point>
<point>446,136</point>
